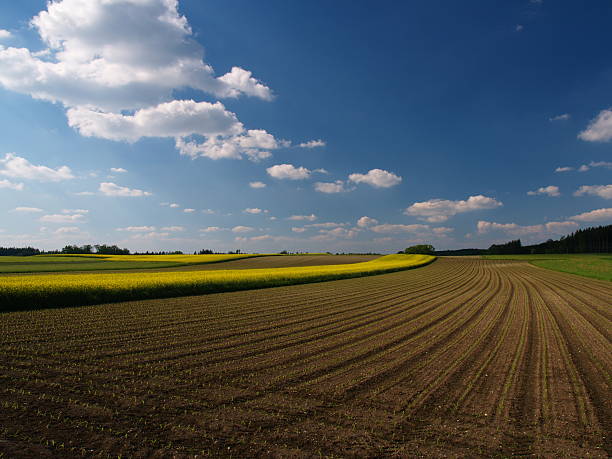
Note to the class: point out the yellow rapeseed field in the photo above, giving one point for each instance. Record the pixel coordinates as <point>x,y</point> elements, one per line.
<point>49,290</point>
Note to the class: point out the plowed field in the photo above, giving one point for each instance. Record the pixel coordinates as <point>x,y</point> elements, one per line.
<point>462,358</point>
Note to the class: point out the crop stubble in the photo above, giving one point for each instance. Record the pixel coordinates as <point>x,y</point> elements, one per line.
<point>463,357</point>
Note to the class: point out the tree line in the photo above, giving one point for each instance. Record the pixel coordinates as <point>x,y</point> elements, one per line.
<point>589,240</point>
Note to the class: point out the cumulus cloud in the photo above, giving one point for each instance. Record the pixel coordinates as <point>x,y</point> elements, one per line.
<point>599,129</point>
<point>4,34</point>
<point>117,55</point>
<point>11,185</point>
<point>178,118</point>
<point>550,190</point>
<point>312,144</point>
<point>68,230</point>
<point>564,169</point>
<point>310,218</point>
<point>173,229</point>
<point>254,210</point>
<point>189,210</point>
<point>298,229</point>
<point>14,166</point>
<point>439,210</point>
<point>522,230</point>
<point>174,205</point>
<point>27,209</point>
<point>365,222</point>
<point>331,187</point>
<point>257,185</point>
<point>62,218</point>
<point>288,172</point>
<point>242,229</point>
<point>211,229</point>
<point>115,66</point>
<point>603,191</point>
<point>562,117</point>
<point>583,168</point>
<point>112,189</point>
<point>377,178</point>
<point>253,143</point>
<point>596,215</point>
<point>118,170</point>
<point>442,230</point>
<point>396,228</point>
<point>137,229</point>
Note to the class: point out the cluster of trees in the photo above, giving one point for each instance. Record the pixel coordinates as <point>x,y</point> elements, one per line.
<point>589,240</point>
<point>422,249</point>
<point>101,249</point>
<point>18,251</point>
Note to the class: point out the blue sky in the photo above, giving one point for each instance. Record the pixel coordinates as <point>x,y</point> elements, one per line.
<point>340,126</point>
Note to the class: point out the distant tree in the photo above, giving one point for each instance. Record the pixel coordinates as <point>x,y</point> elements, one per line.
<point>283,252</point>
<point>423,249</point>
<point>104,249</point>
<point>205,252</point>
<point>18,251</point>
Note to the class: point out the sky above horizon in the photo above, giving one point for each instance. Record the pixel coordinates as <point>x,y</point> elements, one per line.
<point>345,126</point>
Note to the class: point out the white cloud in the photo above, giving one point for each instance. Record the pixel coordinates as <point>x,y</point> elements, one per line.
<point>330,187</point>
<point>137,229</point>
<point>520,230</point>
<point>118,170</point>
<point>177,119</point>
<point>116,55</point>
<point>377,178</point>
<point>257,184</point>
<point>240,81</point>
<point>564,169</point>
<point>75,211</point>
<point>288,172</point>
<point>298,230</point>
<point>211,229</point>
<point>550,190</point>
<point>439,210</point>
<point>310,218</point>
<point>14,166</point>
<point>583,168</point>
<point>336,233</point>
<point>85,193</point>
<point>364,222</point>
<point>606,164</point>
<point>599,129</point>
<point>27,209</point>
<point>563,117</point>
<point>253,143</point>
<point>106,58</point>
<point>442,230</point>
<point>208,211</point>
<point>254,210</point>
<point>4,34</point>
<point>324,224</point>
<point>393,228</point>
<point>603,191</point>
<point>242,229</point>
<point>174,205</point>
<point>596,215</point>
<point>11,185</point>
<point>62,218</point>
<point>112,189</point>
<point>189,210</point>
<point>173,229</point>
<point>68,230</point>
<point>312,144</point>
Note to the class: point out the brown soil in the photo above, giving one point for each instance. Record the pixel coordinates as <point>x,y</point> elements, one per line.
<point>462,358</point>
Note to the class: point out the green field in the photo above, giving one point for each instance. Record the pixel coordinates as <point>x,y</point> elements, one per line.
<point>52,290</point>
<point>60,263</point>
<point>588,265</point>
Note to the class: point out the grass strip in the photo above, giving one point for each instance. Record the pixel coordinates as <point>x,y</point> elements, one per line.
<point>51,291</point>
